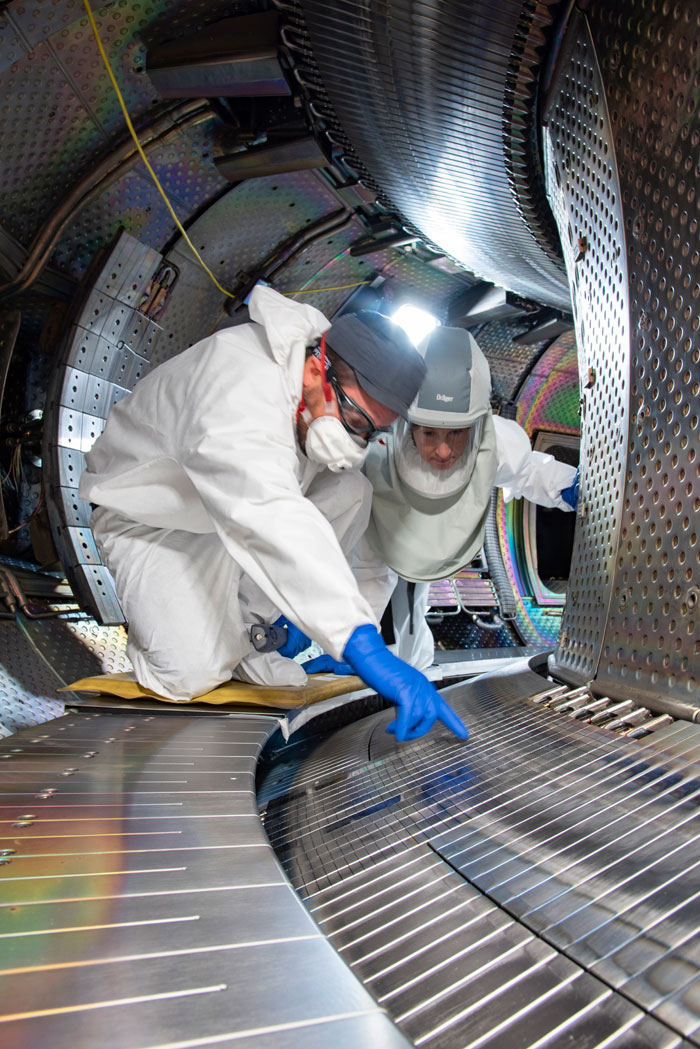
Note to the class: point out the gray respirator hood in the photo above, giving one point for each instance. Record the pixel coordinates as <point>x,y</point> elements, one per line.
<point>457,387</point>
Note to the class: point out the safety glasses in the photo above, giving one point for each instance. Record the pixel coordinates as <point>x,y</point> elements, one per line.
<point>355,420</point>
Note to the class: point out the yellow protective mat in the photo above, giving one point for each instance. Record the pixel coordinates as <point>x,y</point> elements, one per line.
<point>233,693</point>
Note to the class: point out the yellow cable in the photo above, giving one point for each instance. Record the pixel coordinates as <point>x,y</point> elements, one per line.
<point>338,287</point>
<point>150,170</point>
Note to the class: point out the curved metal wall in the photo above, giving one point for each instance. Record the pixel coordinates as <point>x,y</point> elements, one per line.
<point>622,145</point>
<point>438,103</point>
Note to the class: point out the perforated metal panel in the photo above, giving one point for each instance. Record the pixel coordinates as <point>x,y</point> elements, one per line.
<point>652,638</point>
<point>631,619</point>
<point>27,685</point>
<point>107,349</point>
<point>235,236</point>
<point>508,361</point>
<point>241,230</point>
<point>58,109</point>
<point>406,277</point>
<point>40,656</point>
<point>584,191</point>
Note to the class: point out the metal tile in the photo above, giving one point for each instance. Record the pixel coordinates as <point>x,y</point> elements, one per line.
<point>586,839</point>
<point>102,930</point>
<point>217,992</point>
<point>370,1029</point>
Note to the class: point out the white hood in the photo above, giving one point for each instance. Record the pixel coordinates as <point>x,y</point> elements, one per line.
<point>288,325</point>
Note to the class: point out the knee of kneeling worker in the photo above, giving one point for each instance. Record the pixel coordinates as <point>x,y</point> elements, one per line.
<point>183,682</point>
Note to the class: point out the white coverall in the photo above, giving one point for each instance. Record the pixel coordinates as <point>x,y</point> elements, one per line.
<point>210,518</point>
<point>520,472</point>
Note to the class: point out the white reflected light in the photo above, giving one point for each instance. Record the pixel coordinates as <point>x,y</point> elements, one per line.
<point>414,321</point>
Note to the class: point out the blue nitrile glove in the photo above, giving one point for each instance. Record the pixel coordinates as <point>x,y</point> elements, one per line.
<point>419,705</point>
<point>325,664</point>
<point>296,641</point>
<point>570,494</point>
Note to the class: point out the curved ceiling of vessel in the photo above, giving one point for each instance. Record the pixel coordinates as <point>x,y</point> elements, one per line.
<point>437,99</point>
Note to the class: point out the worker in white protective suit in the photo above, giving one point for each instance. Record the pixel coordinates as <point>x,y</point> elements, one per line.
<point>227,492</point>
<point>432,479</point>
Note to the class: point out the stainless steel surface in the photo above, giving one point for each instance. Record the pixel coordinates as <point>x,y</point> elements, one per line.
<point>585,194</point>
<point>42,656</point>
<point>405,134</point>
<point>27,685</point>
<point>547,867</point>
<point>141,902</point>
<point>621,127</point>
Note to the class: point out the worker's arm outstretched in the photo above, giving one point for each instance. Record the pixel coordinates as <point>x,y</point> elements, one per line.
<point>418,703</point>
<point>521,471</point>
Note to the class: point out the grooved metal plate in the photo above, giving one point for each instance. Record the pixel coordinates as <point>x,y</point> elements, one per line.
<point>405,130</point>
<point>142,903</point>
<point>537,884</point>
<point>584,191</point>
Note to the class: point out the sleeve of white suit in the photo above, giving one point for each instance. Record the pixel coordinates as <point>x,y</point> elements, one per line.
<point>521,471</point>
<point>241,456</point>
<point>374,578</point>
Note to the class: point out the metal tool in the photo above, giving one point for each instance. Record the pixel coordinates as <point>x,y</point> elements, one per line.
<point>266,637</point>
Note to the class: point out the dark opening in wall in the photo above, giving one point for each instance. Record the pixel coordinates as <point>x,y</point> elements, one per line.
<point>554,531</point>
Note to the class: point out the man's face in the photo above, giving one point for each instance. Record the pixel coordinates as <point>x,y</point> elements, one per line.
<point>440,448</point>
<point>379,415</point>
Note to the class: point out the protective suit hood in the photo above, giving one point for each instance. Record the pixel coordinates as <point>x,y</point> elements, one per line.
<point>427,523</point>
<point>290,327</point>
<point>424,537</point>
<point>454,395</point>
<point>457,387</point>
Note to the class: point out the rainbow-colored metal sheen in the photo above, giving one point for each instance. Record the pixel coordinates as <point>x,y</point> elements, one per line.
<point>549,402</point>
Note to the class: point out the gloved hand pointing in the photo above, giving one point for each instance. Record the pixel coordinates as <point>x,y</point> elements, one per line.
<point>419,704</point>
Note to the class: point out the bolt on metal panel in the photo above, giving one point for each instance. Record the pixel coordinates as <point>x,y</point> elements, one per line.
<point>76,511</point>
<point>584,191</point>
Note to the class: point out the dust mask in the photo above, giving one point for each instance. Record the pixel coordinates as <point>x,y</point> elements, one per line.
<point>327,440</point>
<point>329,443</point>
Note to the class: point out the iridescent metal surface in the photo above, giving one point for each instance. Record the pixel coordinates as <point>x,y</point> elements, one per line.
<point>548,401</point>
<point>58,111</point>
<point>142,904</point>
<point>585,193</point>
<point>651,643</point>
